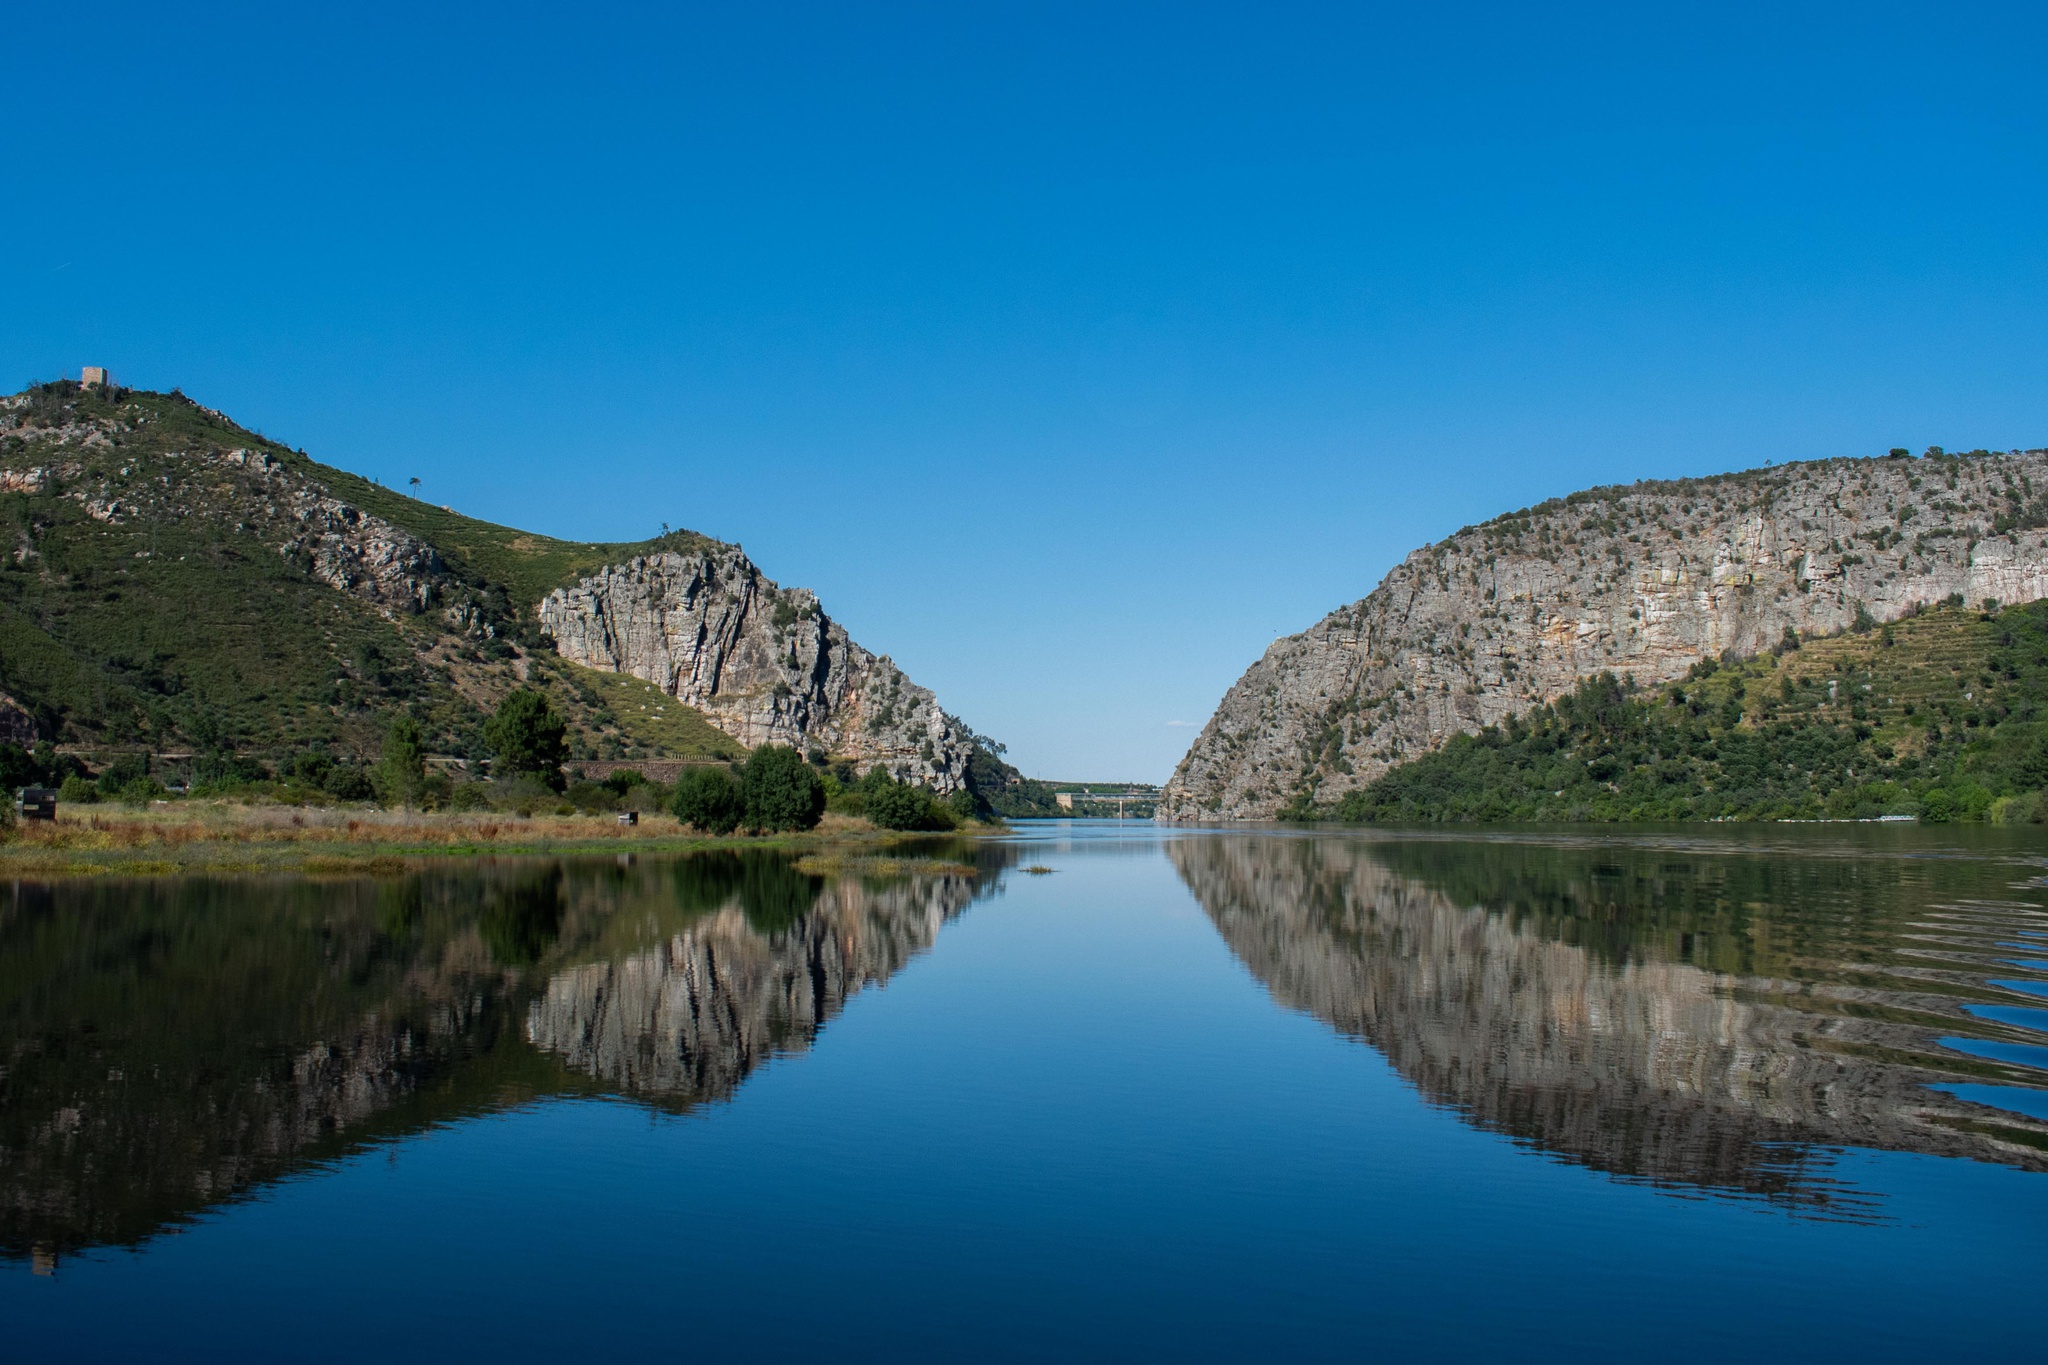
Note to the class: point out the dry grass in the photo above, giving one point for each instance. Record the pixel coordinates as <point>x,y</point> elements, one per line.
<point>222,836</point>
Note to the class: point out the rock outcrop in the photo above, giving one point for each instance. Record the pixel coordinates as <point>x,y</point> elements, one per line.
<point>1644,581</point>
<point>282,503</point>
<point>764,664</point>
<point>124,507</point>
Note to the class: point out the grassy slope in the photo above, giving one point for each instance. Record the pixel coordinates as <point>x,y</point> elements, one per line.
<point>179,626</point>
<point>526,565</point>
<point>1941,716</point>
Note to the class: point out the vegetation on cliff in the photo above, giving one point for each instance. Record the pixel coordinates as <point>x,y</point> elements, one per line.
<point>185,601</point>
<point>1640,581</point>
<point>1942,715</point>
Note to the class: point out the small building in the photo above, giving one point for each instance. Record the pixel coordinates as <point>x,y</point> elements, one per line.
<point>36,803</point>
<point>92,375</point>
<point>1065,799</point>
<point>629,817</point>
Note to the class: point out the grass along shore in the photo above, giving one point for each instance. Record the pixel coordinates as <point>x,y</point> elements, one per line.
<point>223,836</point>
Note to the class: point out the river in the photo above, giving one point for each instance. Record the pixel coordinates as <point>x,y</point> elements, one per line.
<point>1097,1090</point>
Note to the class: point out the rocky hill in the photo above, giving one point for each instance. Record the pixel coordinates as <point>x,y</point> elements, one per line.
<point>174,582</point>
<point>1642,581</point>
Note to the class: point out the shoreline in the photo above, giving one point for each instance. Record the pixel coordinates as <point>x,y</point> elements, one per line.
<point>222,837</point>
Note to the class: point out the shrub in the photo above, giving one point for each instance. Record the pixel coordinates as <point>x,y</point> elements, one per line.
<point>646,797</point>
<point>19,768</point>
<point>468,796</point>
<point>524,794</point>
<point>346,782</point>
<point>116,776</point>
<point>141,791</point>
<point>312,768</point>
<point>78,789</point>
<point>591,796</point>
<point>899,805</point>
<point>782,791</point>
<point>709,799</point>
<point>528,737</point>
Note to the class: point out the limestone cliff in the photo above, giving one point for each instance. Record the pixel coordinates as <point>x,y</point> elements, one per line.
<point>173,579</point>
<point>765,664</point>
<point>1643,580</point>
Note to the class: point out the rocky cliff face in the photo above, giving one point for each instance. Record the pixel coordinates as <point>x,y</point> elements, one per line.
<point>765,664</point>
<point>1644,581</point>
<point>155,548</point>
<point>1646,1069</point>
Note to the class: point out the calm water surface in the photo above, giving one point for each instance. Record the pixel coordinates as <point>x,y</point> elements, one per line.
<point>1190,1094</point>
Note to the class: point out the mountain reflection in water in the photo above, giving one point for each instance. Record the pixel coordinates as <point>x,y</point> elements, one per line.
<point>170,1044</point>
<point>1703,1018</point>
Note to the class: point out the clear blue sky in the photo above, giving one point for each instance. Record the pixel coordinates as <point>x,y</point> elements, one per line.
<point>1071,353</point>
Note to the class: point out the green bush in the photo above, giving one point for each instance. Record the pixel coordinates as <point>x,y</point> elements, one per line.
<point>590,797</point>
<point>528,737</point>
<point>311,768</point>
<point>79,790</point>
<point>118,775</point>
<point>141,791</point>
<point>348,783</point>
<point>709,799</point>
<point>899,805</point>
<point>523,794</point>
<point>20,768</point>
<point>782,791</point>
<point>468,796</point>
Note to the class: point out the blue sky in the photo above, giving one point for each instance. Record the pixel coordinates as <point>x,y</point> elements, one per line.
<point>1072,354</point>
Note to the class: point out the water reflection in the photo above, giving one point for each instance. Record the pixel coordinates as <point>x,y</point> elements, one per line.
<point>166,1045</point>
<point>1708,1019</point>
<point>774,954</point>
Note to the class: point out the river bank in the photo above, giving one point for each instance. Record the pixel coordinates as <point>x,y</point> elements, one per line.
<point>220,836</point>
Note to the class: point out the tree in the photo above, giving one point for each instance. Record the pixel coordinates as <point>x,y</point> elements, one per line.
<point>402,773</point>
<point>782,792</point>
<point>710,799</point>
<point>899,805</point>
<point>528,737</point>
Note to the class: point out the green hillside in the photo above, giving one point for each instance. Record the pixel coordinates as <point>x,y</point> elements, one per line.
<point>1943,716</point>
<point>144,603</point>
